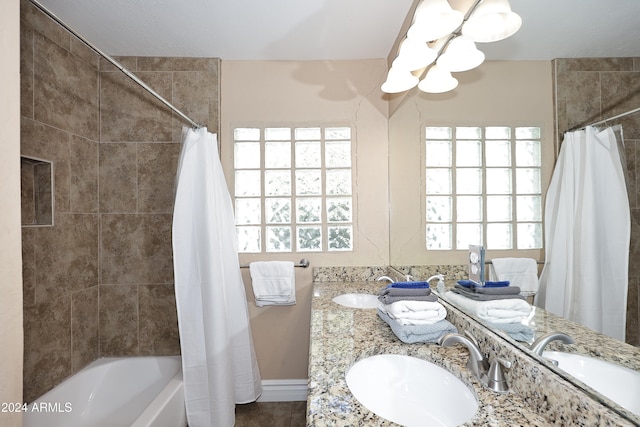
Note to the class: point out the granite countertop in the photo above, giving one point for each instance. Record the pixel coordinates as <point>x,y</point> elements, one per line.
<point>340,336</point>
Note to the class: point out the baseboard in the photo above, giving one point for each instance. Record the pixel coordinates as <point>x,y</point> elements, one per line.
<point>283,390</point>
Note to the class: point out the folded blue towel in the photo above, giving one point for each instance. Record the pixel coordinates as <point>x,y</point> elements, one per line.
<point>472,284</point>
<point>517,331</point>
<point>409,285</point>
<point>418,333</point>
<point>468,283</point>
<point>496,284</point>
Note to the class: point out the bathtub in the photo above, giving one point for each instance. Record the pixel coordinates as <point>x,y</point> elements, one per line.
<point>113,392</point>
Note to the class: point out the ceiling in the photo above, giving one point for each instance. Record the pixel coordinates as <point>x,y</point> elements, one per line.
<point>334,29</point>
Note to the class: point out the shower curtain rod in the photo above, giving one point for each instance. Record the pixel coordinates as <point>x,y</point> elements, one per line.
<point>626,113</point>
<point>115,63</point>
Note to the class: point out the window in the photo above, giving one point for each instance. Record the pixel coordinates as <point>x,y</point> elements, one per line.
<point>293,189</point>
<point>483,186</point>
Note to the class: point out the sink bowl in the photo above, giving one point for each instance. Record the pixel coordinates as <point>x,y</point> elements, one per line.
<point>620,384</point>
<point>411,391</point>
<point>357,300</point>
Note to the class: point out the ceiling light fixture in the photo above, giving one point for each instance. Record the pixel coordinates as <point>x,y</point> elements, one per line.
<point>447,36</point>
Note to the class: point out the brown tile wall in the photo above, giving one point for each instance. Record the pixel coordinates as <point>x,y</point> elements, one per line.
<point>100,281</point>
<point>592,89</point>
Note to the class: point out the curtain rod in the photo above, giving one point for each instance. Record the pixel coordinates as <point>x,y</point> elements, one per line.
<point>115,63</point>
<point>635,110</point>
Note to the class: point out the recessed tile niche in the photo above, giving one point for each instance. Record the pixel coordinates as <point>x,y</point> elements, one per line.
<point>36,178</point>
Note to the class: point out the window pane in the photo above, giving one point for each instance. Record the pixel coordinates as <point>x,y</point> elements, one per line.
<point>246,134</point>
<point>438,132</point>
<point>278,239</point>
<point>498,181</point>
<point>339,238</point>
<point>248,211</point>
<point>438,181</point>
<point>338,154</point>
<point>530,236</point>
<point>468,153</point>
<point>308,182</point>
<point>468,133</point>
<point>499,236</point>
<point>246,155</point>
<point>468,234</point>
<point>528,133</point>
<point>277,211</point>
<point>529,208</point>
<point>498,153</point>
<point>308,154</point>
<point>439,236</point>
<point>248,239</point>
<point>277,183</point>
<point>499,208</point>
<point>469,208</point>
<point>497,132</point>
<point>277,154</point>
<point>307,134</point>
<point>468,181</point>
<point>309,238</point>
<point>337,133</point>
<point>277,134</point>
<point>247,183</point>
<point>308,209</point>
<point>339,209</point>
<point>528,181</point>
<point>439,209</point>
<point>339,181</point>
<point>438,153</point>
<point>528,153</point>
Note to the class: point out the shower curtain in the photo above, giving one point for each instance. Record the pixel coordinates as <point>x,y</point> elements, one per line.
<point>587,232</point>
<point>218,359</point>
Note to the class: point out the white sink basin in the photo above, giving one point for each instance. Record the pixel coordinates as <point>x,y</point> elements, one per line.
<point>357,300</point>
<point>411,391</point>
<point>620,384</point>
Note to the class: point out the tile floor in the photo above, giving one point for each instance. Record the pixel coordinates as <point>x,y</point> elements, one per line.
<point>271,414</point>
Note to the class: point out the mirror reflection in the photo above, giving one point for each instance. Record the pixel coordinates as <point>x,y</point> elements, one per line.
<point>436,214</point>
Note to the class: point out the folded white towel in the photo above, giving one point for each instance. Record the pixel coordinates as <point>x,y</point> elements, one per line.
<point>497,311</point>
<point>521,272</point>
<point>273,282</point>
<point>409,312</point>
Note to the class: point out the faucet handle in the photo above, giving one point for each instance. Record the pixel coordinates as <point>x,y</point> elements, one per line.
<point>496,380</point>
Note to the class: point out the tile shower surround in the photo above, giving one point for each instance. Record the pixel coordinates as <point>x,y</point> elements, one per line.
<point>100,281</point>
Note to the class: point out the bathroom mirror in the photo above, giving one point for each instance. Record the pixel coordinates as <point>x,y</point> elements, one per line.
<point>495,84</point>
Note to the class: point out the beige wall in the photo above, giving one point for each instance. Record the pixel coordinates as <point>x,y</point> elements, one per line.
<point>515,93</point>
<point>10,258</point>
<point>311,93</point>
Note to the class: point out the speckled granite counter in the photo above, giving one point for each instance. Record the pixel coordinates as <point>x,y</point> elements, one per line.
<point>340,336</point>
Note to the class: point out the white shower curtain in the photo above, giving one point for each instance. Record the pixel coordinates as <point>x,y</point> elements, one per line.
<point>218,359</point>
<point>587,232</point>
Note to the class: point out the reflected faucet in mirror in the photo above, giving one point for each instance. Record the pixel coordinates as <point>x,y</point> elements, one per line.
<point>539,344</point>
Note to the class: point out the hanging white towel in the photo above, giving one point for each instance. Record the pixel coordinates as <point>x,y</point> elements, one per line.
<point>520,272</point>
<point>273,282</point>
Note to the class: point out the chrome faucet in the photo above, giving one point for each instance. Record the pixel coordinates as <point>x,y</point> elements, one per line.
<point>381,278</point>
<point>490,375</point>
<point>538,345</point>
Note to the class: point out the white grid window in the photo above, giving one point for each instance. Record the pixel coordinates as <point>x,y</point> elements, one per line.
<point>293,189</point>
<point>483,186</point>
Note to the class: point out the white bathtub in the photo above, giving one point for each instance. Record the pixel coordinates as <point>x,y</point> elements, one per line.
<point>113,392</point>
